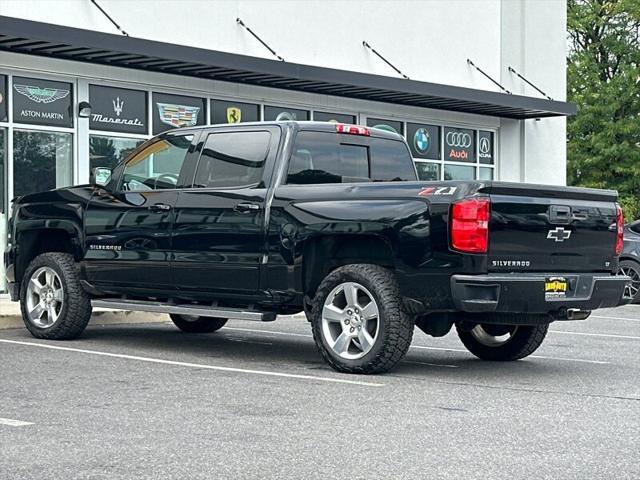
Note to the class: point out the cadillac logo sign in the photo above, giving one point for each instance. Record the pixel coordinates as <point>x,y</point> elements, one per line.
<point>41,95</point>
<point>178,115</point>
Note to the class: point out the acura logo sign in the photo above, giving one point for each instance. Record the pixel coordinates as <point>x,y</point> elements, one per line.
<point>458,139</point>
<point>484,145</point>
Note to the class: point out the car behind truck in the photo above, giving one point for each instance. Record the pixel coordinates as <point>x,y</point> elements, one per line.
<point>250,221</point>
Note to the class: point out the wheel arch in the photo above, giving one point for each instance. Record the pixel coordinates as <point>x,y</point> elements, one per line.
<point>323,254</point>
<point>51,236</point>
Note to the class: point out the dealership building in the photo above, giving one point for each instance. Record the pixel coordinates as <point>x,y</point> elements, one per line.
<point>476,87</point>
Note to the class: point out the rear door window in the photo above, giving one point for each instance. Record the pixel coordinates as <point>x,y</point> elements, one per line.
<point>232,159</point>
<point>325,157</point>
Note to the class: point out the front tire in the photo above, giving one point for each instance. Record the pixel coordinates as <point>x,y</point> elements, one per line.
<point>357,320</point>
<point>54,306</point>
<point>192,324</point>
<point>502,342</point>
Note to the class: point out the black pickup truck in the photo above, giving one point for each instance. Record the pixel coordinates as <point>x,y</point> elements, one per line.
<point>254,220</point>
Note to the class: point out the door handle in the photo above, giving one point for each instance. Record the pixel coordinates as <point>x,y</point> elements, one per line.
<point>160,207</point>
<point>247,207</point>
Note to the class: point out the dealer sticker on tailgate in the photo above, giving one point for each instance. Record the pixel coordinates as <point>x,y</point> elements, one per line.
<point>555,288</point>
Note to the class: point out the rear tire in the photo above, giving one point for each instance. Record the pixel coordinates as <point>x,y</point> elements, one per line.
<point>191,324</point>
<point>54,306</point>
<point>502,343</point>
<point>357,320</point>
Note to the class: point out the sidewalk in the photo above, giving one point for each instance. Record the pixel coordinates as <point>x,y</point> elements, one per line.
<point>10,316</point>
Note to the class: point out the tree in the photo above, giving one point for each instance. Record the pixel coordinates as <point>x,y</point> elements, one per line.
<point>604,81</point>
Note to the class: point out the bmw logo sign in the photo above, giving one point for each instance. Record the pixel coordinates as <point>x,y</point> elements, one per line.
<point>422,141</point>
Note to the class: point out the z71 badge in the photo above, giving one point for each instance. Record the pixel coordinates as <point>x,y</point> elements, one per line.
<point>428,191</point>
<point>555,288</point>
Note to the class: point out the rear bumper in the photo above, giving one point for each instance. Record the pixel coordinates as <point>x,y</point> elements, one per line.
<point>525,293</point>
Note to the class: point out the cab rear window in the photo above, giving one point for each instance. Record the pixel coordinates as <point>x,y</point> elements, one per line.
<point>326,157</point>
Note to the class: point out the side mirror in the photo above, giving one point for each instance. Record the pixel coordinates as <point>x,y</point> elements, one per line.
<point>100,176</point>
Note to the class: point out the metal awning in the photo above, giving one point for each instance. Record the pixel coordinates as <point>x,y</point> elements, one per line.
<point>36,38</point>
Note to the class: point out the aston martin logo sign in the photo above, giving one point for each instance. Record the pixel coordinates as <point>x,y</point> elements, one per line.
<point>38,101</point>
<point>178,115</point>
<point>41,95</point>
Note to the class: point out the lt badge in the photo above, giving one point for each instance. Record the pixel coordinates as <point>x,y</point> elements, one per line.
<point>234,115</point>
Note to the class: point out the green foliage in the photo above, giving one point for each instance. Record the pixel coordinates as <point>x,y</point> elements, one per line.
<point>604,81</point>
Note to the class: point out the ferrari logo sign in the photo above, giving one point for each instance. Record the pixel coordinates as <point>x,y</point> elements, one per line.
<point>234,115</point>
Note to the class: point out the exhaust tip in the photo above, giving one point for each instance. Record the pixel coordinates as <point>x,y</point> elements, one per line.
<point>577,314</point>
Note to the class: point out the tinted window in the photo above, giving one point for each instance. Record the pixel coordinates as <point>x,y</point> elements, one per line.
<point>391,161</point>
<point>320,157</point>
<point>158,166</point>
<point>233,159</point>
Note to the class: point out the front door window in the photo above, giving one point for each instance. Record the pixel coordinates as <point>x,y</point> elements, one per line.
<point>158,166</point>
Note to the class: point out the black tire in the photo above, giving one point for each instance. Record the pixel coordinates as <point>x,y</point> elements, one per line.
<point>394,326</point>
<point>524,340</point>
<point>631,268</point>
<point>197,324</point>
<point>75,311</point>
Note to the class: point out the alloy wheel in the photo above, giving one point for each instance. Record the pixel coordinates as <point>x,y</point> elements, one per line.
<point>493,335</point>
<point>350,320</point>
<point>45,297</point>
<point>631,290</point>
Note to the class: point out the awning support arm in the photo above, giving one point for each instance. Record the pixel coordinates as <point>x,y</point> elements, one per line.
<point>486,75</point>
<point>513,70</point>
<point>364,42</point>
<point>110,19</point>
<point>273,52</point>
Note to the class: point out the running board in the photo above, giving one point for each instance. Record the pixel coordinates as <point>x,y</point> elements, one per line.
<point>197,310</point>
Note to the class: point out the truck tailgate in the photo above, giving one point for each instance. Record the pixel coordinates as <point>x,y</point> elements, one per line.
<point>551,229</point>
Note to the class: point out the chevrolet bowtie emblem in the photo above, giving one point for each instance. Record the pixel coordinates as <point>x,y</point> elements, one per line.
<point>558,234</point>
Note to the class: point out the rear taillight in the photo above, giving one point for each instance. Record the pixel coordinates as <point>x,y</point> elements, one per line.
<point>470,225</point>
<point>352,129</point>
<point>619,230</point>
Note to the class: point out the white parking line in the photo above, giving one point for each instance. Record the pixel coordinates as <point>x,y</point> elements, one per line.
<point>421,347</point>
<point>615,318</point>
<point>542,357</point>
<point>196,365</point>
<point>444,365</point>
<point>609,335</point>
<point>14,423</point>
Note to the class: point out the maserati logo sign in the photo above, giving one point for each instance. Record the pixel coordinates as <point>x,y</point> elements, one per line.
<point>41,95</point>
<point>178,115</point>
<point>558,234</point>
<point>117,106</point>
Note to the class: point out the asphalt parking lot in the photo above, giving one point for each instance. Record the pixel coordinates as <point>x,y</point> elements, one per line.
<point>256,401</point>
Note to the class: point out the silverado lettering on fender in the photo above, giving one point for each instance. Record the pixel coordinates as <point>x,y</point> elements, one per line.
<point>253,220</point>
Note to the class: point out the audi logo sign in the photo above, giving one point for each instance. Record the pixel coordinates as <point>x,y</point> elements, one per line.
<point>458,139</point>
<point>459,144</point>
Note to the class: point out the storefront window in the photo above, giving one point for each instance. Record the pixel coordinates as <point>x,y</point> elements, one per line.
<point>41,161</point>
<point>109,151</point>
<point>485,173</point>
<point>3,172</point>
<point>428,171</point>
<point>459,172</point>
<point>3,202</point>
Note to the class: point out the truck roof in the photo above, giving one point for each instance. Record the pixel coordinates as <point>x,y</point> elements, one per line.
<point>298,125</point>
